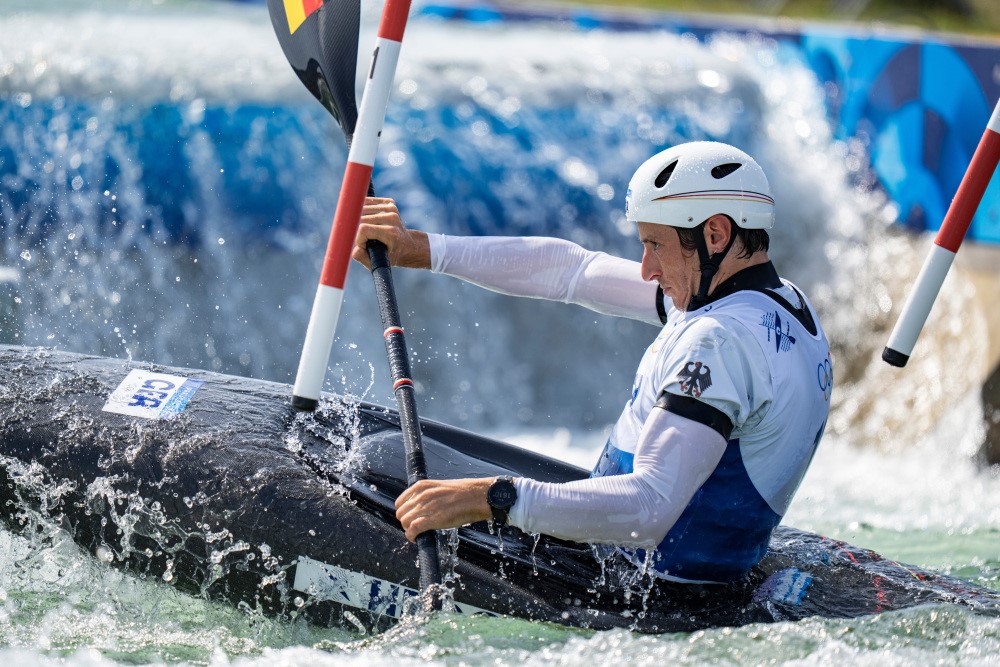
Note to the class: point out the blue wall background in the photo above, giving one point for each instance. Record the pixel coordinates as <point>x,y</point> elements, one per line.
<point>919,102</point>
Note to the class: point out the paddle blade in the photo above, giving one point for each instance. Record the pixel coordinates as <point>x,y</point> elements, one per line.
<point>320,41</point>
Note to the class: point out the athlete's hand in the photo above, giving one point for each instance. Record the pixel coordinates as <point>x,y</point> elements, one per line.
<point>433,504</point>
<point>380,221</point>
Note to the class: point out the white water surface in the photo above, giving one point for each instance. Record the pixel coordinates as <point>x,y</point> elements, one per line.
<point>896,472</point>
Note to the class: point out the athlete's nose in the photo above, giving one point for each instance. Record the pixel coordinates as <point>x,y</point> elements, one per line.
<point>650,267</point>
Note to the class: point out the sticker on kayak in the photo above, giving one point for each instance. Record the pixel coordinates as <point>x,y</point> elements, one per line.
<point>787,586</point>
<point>380,597</point>
<point>151,395</point>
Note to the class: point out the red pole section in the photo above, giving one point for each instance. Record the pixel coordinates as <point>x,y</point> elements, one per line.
<point>329,295</point>
<point>949,238</point>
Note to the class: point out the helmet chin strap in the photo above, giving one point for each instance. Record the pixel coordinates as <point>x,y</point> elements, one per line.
<point>709,266</point>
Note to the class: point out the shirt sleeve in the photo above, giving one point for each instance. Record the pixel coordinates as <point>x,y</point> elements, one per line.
<point>548,268</point>
<point>673,458</point>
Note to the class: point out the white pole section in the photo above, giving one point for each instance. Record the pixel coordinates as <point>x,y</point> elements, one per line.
<point>956,223</point>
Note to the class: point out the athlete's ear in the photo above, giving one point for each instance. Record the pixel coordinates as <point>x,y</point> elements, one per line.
<point>718,230</point>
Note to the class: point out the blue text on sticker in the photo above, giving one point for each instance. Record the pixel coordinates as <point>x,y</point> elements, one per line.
<point>152,395</point>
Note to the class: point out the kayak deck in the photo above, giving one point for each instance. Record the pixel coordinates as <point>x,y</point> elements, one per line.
<point>232,494</point>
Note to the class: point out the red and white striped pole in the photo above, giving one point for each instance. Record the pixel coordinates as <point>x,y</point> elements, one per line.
<point>949,238</point>
<point>330,294</point>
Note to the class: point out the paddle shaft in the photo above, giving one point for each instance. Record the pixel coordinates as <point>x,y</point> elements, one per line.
<point>949,239</point>
<point>362,141</point>
<point>335,269</point>
<point>402,386</point>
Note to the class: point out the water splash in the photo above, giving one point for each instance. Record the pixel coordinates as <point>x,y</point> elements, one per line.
<point>479,120</point>
<point>114,270</point>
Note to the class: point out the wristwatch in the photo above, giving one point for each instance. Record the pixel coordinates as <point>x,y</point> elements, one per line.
<point>501,496</point>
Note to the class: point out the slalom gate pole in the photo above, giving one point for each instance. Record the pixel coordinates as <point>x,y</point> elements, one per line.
<point>949,238</point>
<point>357,177</point>
<point>357,183</point>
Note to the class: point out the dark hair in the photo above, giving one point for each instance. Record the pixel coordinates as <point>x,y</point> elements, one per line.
<point>752,240</point>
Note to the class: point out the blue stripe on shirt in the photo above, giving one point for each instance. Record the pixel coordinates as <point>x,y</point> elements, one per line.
<point>725,528</point>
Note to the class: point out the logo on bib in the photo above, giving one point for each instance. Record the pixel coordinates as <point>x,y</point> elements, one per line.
<point>695,379</point>
<point>783,340</point>
<point>824,374</point>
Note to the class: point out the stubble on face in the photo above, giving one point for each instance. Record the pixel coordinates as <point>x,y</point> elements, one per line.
<point>664,260</point>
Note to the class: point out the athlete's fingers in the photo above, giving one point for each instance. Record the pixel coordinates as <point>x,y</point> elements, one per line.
<point>417,526</point>
<point>359,255</point>
<point>416,513</point>
<point>371,230</point>
<point>408,495</point>
<point>438,504</point>
<point>380,201</point>
<point>380,221</point>
<point>386,208</point>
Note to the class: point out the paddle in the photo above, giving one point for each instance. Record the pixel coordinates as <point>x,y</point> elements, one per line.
<point>320,40</point>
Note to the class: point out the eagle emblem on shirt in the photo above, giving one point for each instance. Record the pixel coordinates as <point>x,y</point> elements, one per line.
<point>695,378</point>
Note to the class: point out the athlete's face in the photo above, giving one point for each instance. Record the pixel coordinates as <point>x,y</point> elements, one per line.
<point>668,263</point>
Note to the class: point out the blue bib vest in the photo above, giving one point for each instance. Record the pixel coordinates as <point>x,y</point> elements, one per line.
<point>770,375</point>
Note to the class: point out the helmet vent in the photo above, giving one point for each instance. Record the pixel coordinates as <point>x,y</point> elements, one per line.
<point>664,175</point>
<point>723,170</point>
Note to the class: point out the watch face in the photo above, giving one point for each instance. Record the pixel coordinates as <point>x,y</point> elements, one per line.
<point>502,494</point>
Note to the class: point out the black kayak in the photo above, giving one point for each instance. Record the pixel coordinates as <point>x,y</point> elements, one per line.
<point>215,485</point>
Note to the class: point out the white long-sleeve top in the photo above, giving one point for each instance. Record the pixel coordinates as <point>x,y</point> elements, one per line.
<point>547,268</point>
<point>674,455</point>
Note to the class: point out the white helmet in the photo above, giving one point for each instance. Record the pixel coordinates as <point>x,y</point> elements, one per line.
<point>686,185</point>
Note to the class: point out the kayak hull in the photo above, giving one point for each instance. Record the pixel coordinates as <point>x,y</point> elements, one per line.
<point>229,493</point>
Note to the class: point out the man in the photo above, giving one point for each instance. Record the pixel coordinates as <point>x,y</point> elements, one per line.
<point>729,401</point>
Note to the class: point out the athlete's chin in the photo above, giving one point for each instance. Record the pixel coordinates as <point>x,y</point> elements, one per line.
<point>679,301</point>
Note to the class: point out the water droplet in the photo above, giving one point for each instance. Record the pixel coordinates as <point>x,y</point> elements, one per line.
<point>222,241</point>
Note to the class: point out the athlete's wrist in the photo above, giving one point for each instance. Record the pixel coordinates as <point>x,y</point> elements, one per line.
<point>501,496</point>
<point>416,251</point>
